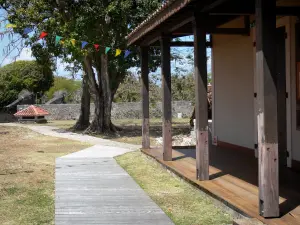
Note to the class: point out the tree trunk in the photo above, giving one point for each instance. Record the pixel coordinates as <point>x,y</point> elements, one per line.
<point>102,98</point>
<point>84,119</point>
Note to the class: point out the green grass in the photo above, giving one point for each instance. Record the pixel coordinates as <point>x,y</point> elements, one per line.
<point>184,204</point>
<point>22,204</point>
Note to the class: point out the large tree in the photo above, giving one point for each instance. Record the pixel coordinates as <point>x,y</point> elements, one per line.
<point>94,21</point>
<point>21,75</point>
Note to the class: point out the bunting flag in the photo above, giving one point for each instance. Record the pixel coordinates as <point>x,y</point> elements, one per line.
<point>27,30</point>
<point>96,47</point>
<point>73,41</point>
<point>118,52</point>
<point>83,44</point>
<point>57,39</point>
<point>10,25</point>
<point>127,53</point>
<point>43,34</point>
<point>107,49</point>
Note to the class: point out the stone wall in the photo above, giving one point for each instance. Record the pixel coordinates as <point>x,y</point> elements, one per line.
<point>6,117</point>
<point>126,110</point>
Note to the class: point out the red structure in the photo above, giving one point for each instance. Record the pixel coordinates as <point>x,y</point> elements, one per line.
<point>32,113</point>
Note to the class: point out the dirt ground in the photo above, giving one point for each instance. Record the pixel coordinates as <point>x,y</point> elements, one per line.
<point>27,165</point>
<point>132,129</point>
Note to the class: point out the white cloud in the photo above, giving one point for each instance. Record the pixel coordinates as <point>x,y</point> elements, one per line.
<point>26,54</point>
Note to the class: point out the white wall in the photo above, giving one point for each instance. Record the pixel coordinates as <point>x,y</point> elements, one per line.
<point>233,71</point>
<point>233,87</point>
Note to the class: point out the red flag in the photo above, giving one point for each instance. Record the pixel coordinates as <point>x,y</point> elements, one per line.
<point>96,47</point>
<point>43,34</point>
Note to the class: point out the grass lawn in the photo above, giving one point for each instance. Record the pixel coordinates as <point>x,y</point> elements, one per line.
<point>184,204</point>
<point>132,129</point>
<point>27,163</point>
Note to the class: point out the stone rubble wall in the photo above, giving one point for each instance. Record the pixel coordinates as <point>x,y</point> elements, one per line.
<point>126,110</point>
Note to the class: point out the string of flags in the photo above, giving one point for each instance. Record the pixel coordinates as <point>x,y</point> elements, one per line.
<point>61,40</point>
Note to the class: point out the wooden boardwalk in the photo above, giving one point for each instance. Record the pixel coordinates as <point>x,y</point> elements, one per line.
<point>98,191</point>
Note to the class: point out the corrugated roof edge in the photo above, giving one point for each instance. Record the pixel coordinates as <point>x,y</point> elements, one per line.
<point>153,15</point>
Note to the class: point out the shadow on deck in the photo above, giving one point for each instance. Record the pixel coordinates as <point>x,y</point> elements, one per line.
<point>234,181</point>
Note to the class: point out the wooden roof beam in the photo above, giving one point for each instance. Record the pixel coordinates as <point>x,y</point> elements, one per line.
<point>182,44</point>
<point>280,11</point>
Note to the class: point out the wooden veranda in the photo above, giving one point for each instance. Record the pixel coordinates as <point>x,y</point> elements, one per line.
<point>233,180</point>
<point>258,197</point>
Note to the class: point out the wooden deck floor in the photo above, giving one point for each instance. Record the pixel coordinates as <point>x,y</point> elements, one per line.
<point>234,180</point>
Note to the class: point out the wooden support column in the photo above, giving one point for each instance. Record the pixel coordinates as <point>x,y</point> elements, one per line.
<point>201,109</point>
<point>166,100</point>
<point>267,108</point>
<point>145,96</point>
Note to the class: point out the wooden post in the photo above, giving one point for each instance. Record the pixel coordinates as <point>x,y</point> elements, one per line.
<point>167,100</point>
<point>201,109</point>
<point>267,108</point>
<point>145,95</point>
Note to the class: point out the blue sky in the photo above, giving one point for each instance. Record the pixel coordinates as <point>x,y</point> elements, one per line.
<point>26,55</point>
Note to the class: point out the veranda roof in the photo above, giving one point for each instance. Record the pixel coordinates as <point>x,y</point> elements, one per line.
<point>32,111</point>
<point>167,9</point>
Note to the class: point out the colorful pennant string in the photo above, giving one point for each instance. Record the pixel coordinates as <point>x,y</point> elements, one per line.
<point>57,39</point>
<point>107,49</point>
<point>83,44</point>
<point>43,34</point>
<point>118,52</point>
<point>127,53</point>
<point>96,47</point>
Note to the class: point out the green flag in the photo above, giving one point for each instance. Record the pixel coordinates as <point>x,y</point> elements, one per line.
<point>57,39</point>
<point>107,49</point>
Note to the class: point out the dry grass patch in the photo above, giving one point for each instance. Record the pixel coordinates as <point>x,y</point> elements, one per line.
<point>132,129</point>
<point>184,204</point>
<point>27,162</point>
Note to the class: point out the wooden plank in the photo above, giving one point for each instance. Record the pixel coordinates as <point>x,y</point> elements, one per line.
<point>145,97</point>
<point>97,190</point>
<point>201,110</point>
<point>267,108</point>
<point>233,191</point>
<point>167,99</point>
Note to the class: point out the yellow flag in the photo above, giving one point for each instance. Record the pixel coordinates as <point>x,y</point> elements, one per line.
<point>62,42</point>
<point>10,25</point>
<point>118,52</point>
<point>73,41</point>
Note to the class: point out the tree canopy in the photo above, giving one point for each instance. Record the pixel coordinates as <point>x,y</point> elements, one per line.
<point>101,22</point>
<point>21,75</point>
<point>72,87</point>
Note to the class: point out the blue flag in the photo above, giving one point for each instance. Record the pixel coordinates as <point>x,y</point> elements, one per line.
<point>127,53</point>
<point>27,30</point>
<point>83,44</point>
